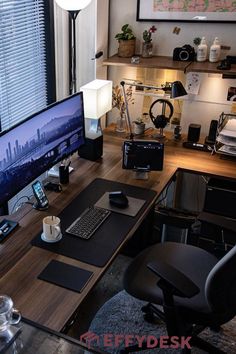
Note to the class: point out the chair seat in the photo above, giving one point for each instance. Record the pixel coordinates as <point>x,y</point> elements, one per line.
<point>194,262</point>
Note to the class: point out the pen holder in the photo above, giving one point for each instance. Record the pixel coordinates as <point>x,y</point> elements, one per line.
<point>64,174</point>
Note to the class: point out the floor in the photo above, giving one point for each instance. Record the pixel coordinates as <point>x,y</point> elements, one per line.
<point>108,286</point>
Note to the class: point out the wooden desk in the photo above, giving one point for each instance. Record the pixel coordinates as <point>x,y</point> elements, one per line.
<point>17,255</point>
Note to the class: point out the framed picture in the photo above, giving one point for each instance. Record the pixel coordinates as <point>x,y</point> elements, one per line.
<point>186,11</point>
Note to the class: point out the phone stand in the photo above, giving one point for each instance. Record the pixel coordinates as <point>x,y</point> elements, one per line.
<point>38,206</point>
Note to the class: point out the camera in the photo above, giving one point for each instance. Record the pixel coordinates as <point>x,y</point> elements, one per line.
<point>185,53</point>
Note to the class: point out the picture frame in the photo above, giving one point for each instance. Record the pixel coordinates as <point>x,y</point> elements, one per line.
<point>154,10</point>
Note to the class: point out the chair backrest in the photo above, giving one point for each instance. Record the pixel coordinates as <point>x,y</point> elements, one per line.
<point>220,286</point>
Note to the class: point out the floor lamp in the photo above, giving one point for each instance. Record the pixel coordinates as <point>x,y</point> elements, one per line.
<point>73,7</point>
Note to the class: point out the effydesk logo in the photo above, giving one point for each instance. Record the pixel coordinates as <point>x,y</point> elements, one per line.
<point>109,340</point>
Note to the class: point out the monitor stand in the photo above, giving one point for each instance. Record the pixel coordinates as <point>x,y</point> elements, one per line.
<point>141,174</point>
<point>54,171</point>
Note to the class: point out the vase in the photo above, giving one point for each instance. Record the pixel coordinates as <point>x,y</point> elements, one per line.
<point>139,128</point>
<point>147,48</point>
<point>121,123</point>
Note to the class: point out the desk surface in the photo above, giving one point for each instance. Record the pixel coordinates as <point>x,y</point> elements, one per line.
<point>20,262</point>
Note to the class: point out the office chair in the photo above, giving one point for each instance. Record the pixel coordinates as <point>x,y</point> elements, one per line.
<point>194,288</point>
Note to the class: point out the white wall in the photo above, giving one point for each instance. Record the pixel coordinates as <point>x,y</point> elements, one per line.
<point>211,100</point>
<point>124,11</point>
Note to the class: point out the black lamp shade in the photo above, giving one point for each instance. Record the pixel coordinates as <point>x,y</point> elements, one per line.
<point>177,89</point>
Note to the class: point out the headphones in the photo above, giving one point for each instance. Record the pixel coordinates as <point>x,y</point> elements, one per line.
<point>161,120</point>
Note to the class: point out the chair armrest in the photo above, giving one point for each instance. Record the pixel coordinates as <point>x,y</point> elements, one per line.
<point>175,280</point>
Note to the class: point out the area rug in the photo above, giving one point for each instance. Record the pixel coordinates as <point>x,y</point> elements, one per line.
<point>122,315</point>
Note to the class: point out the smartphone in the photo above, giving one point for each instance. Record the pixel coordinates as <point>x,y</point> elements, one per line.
<point>41,198</point>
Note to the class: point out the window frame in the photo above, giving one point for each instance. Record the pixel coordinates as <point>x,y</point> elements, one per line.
<point>50,50</point>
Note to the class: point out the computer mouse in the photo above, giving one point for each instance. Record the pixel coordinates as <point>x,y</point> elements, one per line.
<point>118,199</point>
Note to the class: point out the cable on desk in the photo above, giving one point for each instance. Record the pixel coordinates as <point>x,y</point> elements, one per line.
<point>22,203</point>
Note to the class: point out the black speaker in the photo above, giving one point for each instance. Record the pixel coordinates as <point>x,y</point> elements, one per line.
<point>92,149</point>
<point>194,132</point>
<point>211,138</point>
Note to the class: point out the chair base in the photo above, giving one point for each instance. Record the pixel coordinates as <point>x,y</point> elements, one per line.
<point>153,315</point>
<point>195,342</point>
<point>206,346</point>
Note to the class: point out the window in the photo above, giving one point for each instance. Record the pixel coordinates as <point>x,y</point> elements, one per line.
<point>27,80</point>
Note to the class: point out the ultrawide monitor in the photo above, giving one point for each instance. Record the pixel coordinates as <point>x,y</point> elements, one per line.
<point>141,155</point>
<point>36,144</point>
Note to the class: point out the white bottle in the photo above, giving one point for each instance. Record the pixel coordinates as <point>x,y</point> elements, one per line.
<point>202,50</point>
<point>215,51</point>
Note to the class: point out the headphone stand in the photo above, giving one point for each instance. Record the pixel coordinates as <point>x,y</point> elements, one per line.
<point>159,135</point>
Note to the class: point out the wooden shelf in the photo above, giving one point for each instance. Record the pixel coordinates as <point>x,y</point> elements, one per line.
<point>157,62</point>
<point>163,62</point>
<point>210,68</point>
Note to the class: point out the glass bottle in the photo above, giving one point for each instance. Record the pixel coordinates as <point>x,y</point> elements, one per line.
<point>121,122</point>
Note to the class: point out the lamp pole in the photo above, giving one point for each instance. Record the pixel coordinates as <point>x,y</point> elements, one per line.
<point>73,15</point>
<point>73,7</point>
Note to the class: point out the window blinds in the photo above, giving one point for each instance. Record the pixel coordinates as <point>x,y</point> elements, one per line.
<point>23,86</point>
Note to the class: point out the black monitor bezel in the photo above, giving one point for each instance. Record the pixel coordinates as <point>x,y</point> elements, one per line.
<point>80,93</point>
<point>142,142</point>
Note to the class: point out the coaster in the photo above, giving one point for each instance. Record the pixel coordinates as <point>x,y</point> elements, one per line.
<point>51,241</point>
<point>132,210</point>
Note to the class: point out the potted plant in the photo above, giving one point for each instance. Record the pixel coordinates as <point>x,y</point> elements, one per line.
<point>139,126</point>
<point>147,46</point>
<point>118,102</point>
<point>126,40</point>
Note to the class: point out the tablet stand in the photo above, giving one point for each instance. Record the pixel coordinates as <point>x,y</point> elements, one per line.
<point>141,174</point>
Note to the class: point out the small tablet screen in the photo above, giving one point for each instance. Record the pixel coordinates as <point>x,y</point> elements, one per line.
<point>143,155</point>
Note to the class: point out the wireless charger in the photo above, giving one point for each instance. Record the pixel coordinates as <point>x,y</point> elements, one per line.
<point>38,206</point>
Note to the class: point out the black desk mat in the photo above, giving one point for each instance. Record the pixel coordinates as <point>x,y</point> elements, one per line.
<point>102,245</point>
<point>65,275</point>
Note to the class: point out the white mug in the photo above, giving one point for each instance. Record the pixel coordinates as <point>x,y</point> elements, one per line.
<point>51,229</point>
<point>8,315</point>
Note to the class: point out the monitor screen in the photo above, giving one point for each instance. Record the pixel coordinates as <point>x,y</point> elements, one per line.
<point>143,155</point>
<point>39,142</point>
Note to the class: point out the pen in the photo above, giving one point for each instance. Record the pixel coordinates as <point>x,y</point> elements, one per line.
<point>67,165</point>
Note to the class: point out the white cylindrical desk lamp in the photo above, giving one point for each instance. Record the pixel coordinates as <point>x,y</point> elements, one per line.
<point>97,102</point>
<point>97,98</point>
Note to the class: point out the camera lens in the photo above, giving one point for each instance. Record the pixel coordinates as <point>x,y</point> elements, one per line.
<point>183,55</point>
